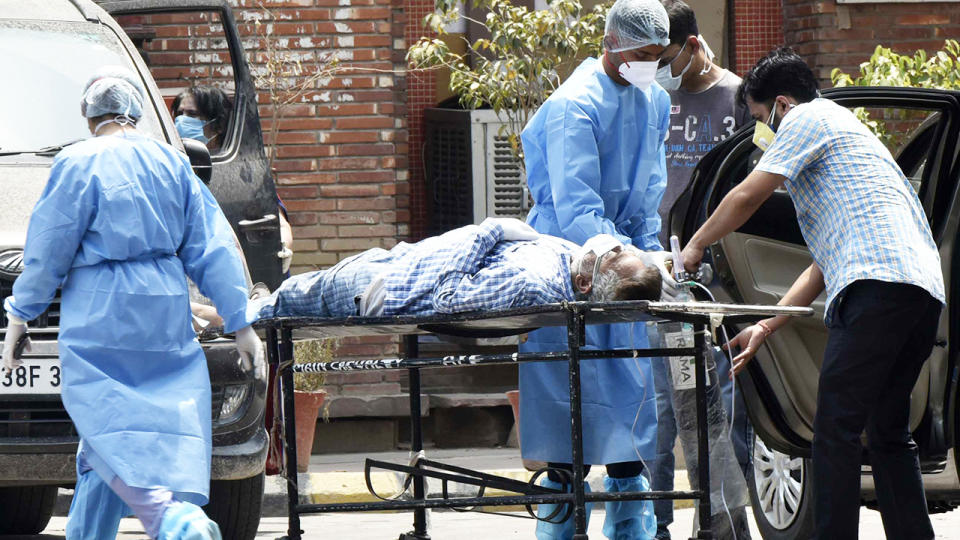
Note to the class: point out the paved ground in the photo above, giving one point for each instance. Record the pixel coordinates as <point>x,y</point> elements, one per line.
<point>456,526</point>
<point>339,478</point>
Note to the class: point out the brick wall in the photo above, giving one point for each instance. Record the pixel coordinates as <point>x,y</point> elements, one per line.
<point>830,35</point>
<point>757,28</point>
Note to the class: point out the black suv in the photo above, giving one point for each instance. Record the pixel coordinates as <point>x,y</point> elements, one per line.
<point>50,48</point>
<point>758,263</point>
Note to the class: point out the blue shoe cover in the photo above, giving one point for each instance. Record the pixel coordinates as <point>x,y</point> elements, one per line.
<point>186,521</point>
<point>629,520</point>
<point>557,531</point>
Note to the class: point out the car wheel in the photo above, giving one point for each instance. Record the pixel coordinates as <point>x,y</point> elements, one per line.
<point>781,494</point>
<point>26,509</point>
<point>235,506</point>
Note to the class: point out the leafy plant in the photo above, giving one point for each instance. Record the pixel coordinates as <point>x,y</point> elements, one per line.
<point>522,62</point>
<point>888,68</point>
<point>308,352</point>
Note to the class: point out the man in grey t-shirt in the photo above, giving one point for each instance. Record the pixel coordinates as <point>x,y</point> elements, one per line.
<point>703,111</point>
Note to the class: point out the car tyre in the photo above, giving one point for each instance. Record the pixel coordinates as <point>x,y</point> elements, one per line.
<point>26,509</point>
<point>235,506</point>
<point>781,494</point>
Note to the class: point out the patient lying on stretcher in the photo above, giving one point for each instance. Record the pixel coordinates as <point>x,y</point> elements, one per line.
<point>496,265</point>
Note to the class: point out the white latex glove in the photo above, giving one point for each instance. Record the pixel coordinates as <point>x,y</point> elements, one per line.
<point>516,230</point>
<point>16,329</point>
<point>286,257</point>
<point>669,288</point>
<point>251,351</point>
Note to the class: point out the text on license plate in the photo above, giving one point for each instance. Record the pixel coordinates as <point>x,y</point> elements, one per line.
<point>35,376</point>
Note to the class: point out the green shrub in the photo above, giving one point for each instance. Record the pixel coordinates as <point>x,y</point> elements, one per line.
<point>888,68</point>
<point>307,352</point>
<point>523,61</point>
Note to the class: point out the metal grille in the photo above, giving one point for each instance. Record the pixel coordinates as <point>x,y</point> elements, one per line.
<point>449,175</point>
<point>34,419</point>
<point>507,197</point>
<point>50,319</point>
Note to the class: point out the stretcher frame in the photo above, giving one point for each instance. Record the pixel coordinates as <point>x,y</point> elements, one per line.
<point>574,316</point>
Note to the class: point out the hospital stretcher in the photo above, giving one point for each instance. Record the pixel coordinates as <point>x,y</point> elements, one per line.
<point>280,334</point>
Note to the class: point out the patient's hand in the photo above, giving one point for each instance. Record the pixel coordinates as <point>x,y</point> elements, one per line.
<point>207,313</point>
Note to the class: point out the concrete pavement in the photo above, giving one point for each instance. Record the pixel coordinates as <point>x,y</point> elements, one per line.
<point>458,526</point>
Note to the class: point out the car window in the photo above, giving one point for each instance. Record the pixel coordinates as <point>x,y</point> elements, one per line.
<point>46,65</point>
<point>189,57</point>
<point>906,132</point>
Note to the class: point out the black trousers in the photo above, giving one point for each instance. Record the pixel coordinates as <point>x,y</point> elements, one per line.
<point>880,335</point>
<point>626,469</point>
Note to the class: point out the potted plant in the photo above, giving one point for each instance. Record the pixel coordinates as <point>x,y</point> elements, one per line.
<point>308,394</point>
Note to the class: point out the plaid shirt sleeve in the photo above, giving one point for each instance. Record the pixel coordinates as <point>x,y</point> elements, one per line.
<point>798,144</point>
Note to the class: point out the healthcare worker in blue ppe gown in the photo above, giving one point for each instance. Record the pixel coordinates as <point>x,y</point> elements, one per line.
<point>120,225</point>
<point>595,165</point>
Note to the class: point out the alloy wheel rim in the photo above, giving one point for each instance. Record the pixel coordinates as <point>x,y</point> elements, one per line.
<point>778,479</point>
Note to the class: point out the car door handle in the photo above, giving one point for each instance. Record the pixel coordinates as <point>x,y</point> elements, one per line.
<point>264,223</point>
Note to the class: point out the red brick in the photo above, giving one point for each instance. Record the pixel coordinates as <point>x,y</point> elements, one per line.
<point>365,123</point>
<point>367,176</point>
<point>309,178</point>
<point>317,231</point>
<point>299,192</point>
<point>296,137</point>
<point>338,164</point>
<point>300,219</point>
<point>339,190</point>
<point>924,19</point>
<point>366,231</point>
<point>372,41</point>
<point>365,149</point>
<point>348,244</point>
<point>335,137</point>
<point>373,203</point>
<point>287,165</point>
<point>295,205</point>
<point>313,150</point>
<point>346,109</point>
<point>349,218</point>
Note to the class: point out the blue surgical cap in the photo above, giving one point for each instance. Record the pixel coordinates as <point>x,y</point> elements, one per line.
<point>113,90</point>
<point>632,24</point>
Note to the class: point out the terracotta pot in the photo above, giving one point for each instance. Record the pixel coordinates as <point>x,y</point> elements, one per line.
<point>307,409</point>
<point>514,397</point>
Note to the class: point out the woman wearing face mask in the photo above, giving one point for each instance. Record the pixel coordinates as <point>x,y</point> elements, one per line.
<point>202,113</point>
<point>595,164</point>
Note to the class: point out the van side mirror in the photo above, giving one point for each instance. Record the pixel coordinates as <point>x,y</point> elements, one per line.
<point>199,159</point>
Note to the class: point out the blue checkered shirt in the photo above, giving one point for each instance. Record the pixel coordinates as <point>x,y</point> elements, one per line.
<point>858,212</point>
<point>468,269</point>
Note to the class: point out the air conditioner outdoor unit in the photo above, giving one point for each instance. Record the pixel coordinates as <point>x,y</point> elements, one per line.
<point>470,171</point>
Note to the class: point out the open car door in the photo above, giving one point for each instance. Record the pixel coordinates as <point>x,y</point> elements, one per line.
<point>188,43</point>
<point>758,263</point>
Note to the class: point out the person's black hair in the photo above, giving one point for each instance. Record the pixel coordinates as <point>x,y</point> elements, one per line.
<point>683,22</point>
<point>212,103</point>
<point>781,73</point>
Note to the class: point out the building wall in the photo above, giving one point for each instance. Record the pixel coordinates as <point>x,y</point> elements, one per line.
<point>757,28</point>
<point>831,34</point>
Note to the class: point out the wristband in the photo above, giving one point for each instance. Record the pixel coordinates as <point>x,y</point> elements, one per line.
<point>766,329</point>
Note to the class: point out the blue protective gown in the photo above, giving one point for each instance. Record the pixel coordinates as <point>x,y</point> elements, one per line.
<point>595,164</point>
<point>121,223</point>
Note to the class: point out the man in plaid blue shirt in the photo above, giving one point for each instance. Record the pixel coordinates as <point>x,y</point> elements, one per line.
<point>874,254</point>
<point>500,264</point>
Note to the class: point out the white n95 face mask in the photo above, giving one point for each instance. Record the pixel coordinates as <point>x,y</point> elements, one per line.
<point>599,245</point>
<point>639,74</point>
<point>665,76</point>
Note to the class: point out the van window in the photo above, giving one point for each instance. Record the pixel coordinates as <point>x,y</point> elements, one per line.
<point>189,57</point>
<point>47,64</point>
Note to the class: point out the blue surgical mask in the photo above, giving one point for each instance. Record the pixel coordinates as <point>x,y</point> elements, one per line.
<point>191,128</point>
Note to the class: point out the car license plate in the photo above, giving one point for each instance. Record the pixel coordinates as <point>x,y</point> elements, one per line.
<point>35,376</point>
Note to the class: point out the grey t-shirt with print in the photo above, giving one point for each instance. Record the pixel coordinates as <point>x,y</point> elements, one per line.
<point>698,122</point>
